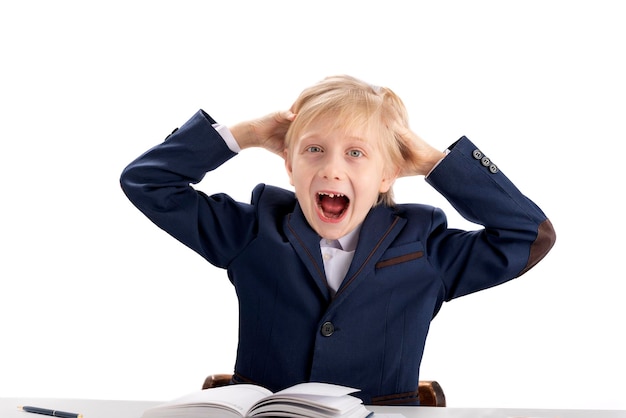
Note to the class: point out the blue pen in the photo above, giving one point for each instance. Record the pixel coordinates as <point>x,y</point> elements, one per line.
<point>50,412</point>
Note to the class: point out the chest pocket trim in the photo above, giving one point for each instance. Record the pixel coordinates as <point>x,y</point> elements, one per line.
<point>401,259</point>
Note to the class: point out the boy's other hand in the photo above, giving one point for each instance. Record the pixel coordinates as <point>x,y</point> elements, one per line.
<point>421,157</point>
<point>266,132</point>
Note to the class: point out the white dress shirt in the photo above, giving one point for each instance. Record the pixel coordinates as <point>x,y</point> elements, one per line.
<point>337,256</point>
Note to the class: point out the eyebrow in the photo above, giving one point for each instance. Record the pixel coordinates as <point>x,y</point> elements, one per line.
<point>317,135</point>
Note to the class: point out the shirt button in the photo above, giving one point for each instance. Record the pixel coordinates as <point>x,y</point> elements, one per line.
<point>327,329</point>
<point>327,256</point>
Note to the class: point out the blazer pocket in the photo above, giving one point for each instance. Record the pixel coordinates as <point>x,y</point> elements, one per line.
<point>402,254</point>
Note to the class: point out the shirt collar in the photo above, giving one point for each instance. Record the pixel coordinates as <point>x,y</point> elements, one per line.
<point>348,242</point>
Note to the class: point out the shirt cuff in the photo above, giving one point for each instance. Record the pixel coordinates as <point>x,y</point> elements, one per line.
<point>228,137</point>
<point>447,151</point>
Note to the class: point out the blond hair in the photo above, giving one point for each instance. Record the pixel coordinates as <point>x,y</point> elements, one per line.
<point>352,104</point>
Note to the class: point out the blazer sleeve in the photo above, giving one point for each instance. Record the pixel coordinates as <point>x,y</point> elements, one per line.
<point>159,183</point>
<point>516,235</point>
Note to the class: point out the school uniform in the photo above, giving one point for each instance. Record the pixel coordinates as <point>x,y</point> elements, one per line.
<point>370,332</point>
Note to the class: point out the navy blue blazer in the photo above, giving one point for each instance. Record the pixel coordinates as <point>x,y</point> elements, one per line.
<point>371,333</point>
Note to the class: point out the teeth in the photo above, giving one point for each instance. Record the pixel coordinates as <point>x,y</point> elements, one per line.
<point>331,195</point>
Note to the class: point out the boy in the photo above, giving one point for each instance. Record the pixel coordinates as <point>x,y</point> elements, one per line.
<point>336,283</point>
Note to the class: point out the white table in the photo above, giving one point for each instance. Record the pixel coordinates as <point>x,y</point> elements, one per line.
<point>134,409</point>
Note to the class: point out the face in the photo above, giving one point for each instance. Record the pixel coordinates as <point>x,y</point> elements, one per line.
<point>337,177</point>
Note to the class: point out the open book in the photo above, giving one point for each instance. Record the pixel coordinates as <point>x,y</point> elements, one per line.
<point>305,400</point>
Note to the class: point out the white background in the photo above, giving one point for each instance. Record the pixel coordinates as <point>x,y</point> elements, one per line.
<point>96,302</point>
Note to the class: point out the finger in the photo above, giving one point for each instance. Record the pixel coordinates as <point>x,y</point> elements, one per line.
<point>283,116</point>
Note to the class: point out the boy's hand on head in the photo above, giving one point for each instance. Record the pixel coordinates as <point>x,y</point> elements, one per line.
<point>422,156</point>
<point>266,132</point>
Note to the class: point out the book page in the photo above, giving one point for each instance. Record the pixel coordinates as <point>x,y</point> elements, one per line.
<point>236,398</point>
<point>311,400</point>
<point>321,389</point>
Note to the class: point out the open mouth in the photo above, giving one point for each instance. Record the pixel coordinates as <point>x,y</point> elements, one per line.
<point>332,205</point>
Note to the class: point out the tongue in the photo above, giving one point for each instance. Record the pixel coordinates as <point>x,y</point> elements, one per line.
<point>333,206</point>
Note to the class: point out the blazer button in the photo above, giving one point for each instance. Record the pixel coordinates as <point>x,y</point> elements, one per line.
<point>493,168</point>
<point>477,154</point>
<point>327,329</point>
<point>485,161</point>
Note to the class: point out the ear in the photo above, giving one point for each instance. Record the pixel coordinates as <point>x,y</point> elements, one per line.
<point>389,177</point>
<point>288,166</point>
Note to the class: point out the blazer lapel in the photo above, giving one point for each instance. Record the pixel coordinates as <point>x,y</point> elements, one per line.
<point>380,228</point>
<point>306,243</point>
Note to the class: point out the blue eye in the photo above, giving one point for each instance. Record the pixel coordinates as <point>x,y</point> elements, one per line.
<point>314,148</point>
<point>355,153</point>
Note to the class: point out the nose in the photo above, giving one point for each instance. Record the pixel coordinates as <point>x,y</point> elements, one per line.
<point>332,167</point>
